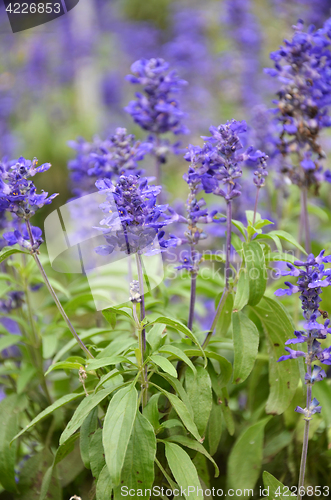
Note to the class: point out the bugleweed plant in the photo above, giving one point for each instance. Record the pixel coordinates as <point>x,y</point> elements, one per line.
<point>166,394</point>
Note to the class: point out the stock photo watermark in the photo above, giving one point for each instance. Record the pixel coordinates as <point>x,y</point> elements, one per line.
<point>27,14</point>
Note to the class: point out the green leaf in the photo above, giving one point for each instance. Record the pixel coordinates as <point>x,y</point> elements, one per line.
<point>224,320</point>
<point>284,376</point>
<point>24,377</point>
<point>89,426</point>
<point>118,425</point>
<point>273,484</point>
<point>272,237</point>
<point>216,257</point>
<point>198,388</point>
<point>240,226</point>
<point>177,325</point>
<point>138,468</point>
<point>164,363</point>
<point>242,293</point>
<point>83,409</point>
<point>322,392</point>
<point>227,413</point>
<point>7,253</point>
<point>245,459</point>
<point>64,365</point>
<point>245,344</point>
<point>151,411</point>
<point>9,411</point>
<point>256,271</point>
<point>104,485</point>
<point>194,445</point>
<point>280,256</point>
<point>110,316</point>
<point>96,453</point>
<point>177,385</point>
<point>182,412</point>
<point>9,340</point>
<point>183,470</point>
<point>94,364</point>
<point>214,428</point>
<point>156,336</point>
<point>177,353</point>
<point>283,235</point>
<point>225,365</point>
<point>49,410</point>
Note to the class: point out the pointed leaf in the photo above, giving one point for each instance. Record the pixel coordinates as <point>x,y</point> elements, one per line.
<point>283,376</point>
<point>245,459</point>
<point>104,485</point>
<point>175,351</point>
<point>118,425</point>
<point>194,445</point>
<point>183,470</point>
<point>84,408</point>
<point>165,364</point>
<point>198,388</point>
<point>256,271</point>
<point>138,469</point>
<point>275,487</point>
<point>245,344</point>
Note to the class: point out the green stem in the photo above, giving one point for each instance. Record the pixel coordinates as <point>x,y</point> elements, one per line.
<point>142,332</point>
<point>53,294</point>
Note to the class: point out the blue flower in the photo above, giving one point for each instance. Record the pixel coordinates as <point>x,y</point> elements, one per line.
<point>313,408</point>
<point>139,216</point>
<point>156,110</point>
<point>302,65</point>
<point>17,192</point>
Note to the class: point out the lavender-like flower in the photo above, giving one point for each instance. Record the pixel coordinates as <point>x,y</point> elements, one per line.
<point>312,277</point>
<point>118,155</point>
<point>302,65</point>
<point>156,110</point>
<point>141,218</point>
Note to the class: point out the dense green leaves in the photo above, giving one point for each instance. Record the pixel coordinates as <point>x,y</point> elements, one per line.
<point>84,408</point>
<point>284,376</point>
<point>118,425</point>
<point>183,413</point>
<point>177,325</point>
<point>245,459</point>
<point>245,343</point>
<point>183,470</point>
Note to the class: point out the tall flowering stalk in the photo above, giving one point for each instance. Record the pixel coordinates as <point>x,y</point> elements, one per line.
<point>19,196</point>
<point>312,277</point>
<point>156,110</point>
<point>222,159</point>
<point>132,229</point>
<point>196,214</point>
<point>302,65</point>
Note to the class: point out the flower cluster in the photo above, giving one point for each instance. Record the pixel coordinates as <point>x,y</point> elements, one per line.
<point>138,219</point>
<point>218,164</point>
<point>156,110</point>
<point>302,65</point>
<point>18,194</point>
<point>311,278</point>
<point>115,156</point>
